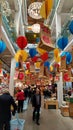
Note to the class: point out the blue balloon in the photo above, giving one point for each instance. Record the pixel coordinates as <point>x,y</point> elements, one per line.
<point>68,58</point>
<point>17,64</point>
<point>2,47</point>
<point>62,42</point>
<point>47,64</point>
<point>63,54</point>
<point>71,27</point>
<point>32,52</point>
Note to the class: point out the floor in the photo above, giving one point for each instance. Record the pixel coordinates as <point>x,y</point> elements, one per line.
<point>50,119</point>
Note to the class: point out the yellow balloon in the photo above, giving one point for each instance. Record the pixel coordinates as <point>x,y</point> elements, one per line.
<point>40,51</point>
<point>58,59</point>
<point>56,52</point>
<point>21,55</point>
<point>51,68</point>
<point>37,64</point>
<point>27,72</point>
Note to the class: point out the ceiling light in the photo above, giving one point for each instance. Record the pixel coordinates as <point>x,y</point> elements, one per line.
<point>34,10</point>
<point>36,28</point>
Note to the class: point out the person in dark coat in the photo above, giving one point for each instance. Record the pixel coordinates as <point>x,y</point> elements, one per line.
<point>36,103</point>
<point>6,100</point>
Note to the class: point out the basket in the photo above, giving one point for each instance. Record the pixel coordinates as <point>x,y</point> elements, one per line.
<point>17,124</point>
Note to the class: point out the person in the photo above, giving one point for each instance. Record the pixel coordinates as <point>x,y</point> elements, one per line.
<point>20,96</point>
<point>6,100</point>
<point>36,103</point>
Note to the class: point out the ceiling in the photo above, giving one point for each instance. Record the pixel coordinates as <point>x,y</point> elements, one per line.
<point>66,8</point>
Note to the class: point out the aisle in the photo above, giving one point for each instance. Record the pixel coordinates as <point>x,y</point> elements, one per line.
<point>50,120</point>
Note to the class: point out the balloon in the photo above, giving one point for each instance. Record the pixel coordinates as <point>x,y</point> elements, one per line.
<point>46,64</point>
<point>56,52</point>
<point>44,57</point>
<point>2,46</point>
<point>37,64</point>
<point>21,42</point>
<point>71,26</point>
<point>68,58</point>
<point>21,55</point>
<point>57,59</point>
<point>62,42</point>
<point>51,68</point>
<point>40,51</point>
<point>32,52</point>
<point>17,64</point>
<point>28,65</point>
<point>34,59</point>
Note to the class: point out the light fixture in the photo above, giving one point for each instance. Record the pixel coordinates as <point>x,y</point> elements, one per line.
<point>34,10</point>
<point>36,28</point>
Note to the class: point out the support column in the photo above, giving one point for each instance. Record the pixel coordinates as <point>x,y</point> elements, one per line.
<point>60,90</point>
<point>58,24</point>
<point>12,71</point>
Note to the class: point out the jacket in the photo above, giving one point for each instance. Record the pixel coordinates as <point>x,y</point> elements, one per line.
<point>20,96</point>
<point>6,100</point>
<point>34,101</point>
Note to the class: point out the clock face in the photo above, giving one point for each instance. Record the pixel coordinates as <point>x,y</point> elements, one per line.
<point>34,10</point>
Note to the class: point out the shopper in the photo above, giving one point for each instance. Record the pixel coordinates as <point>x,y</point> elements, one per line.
<point>36,103</point>
<point>20,96</point>
<point>6,100</point>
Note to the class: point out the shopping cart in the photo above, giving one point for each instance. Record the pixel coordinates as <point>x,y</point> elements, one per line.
<point>17,124</point>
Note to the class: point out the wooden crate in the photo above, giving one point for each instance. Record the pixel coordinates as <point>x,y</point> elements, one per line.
<point>65,110</point>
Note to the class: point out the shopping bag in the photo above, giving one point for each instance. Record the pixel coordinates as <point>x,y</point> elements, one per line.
<point>17,124</point>
<point>25,104</point>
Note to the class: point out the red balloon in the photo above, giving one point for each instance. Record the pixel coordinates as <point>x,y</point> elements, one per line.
<point>35,58</point>
<point>44,57</point>
<point>21,42</point>
<point>28,65</point>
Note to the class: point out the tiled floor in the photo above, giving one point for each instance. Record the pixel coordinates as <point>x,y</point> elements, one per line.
<point>49,120</point>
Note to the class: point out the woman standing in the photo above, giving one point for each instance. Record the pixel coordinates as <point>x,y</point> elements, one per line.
<point>20,97</point>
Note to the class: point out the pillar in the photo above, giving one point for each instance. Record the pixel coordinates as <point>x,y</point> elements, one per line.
<point>58,24</point>
<point>12,71</point>
<point>60,90</point>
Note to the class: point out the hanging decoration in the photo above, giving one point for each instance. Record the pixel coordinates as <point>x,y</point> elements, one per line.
<point>66,77</point>
<point>17,64</point>
<point>51,68</point>
<point>28,65</point>
<point>68,58</point>
<point>44,57</point>
<point>46,8</point>
<point>32,52</point>
<point>34,59</point>
<point>62,42</point>
<point>47,64</point>
<point>41,51</point>
<point>63,63</point>
<point>56,52</point>
<point>71,26</point>
<point>21,55</point>
<point>37,65</point>
<point>21,42</point>
<point>21,76</point>
<point>57,59</point>
<point>2,46</point>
